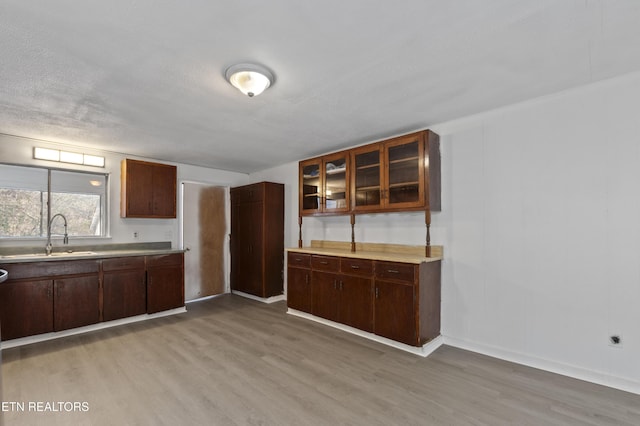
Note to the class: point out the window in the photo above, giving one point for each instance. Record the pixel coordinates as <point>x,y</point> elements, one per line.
<point>24,192</point>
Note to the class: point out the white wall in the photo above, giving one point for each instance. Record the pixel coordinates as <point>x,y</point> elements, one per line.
<point>541,228</point>
<point>19,150</point>
<point>543,238</point>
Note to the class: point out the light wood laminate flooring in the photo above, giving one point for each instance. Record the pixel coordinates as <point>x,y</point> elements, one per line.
<point>234,361</point>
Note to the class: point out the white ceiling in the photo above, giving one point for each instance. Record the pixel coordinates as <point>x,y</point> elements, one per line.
<point>145,77</point>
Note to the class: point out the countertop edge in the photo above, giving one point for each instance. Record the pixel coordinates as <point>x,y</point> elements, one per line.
<point>373,255</point>
<point>96,256</point>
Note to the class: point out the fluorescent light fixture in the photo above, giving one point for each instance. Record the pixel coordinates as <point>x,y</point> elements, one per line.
<point>46,154</point>
<point>68,157</point>
<point>250,79</point>
<point>93,160</point>
<point>71,157</point>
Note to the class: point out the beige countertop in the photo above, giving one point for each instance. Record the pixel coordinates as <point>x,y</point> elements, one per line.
<point>373,251</point>
<point>96,252</point>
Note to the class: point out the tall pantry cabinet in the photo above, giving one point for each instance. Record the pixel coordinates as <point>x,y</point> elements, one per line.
<point>257,239</point>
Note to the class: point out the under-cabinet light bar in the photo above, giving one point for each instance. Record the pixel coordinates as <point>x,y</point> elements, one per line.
<point>67,157</point>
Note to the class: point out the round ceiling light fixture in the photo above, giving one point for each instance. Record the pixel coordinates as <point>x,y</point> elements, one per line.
<point>250,79</point>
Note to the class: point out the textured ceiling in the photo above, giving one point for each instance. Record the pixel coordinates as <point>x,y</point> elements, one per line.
<point>145,77</point>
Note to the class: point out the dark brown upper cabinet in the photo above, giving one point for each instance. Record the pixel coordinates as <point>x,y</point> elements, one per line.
<point>148,190</point>
<point>324,184</point>
<point>397,174</point>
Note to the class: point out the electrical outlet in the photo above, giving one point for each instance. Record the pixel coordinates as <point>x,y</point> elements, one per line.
<point>135,234</point>
<point>615,340</point>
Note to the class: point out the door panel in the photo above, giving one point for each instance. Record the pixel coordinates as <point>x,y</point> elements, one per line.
<point>204,234</point>
<point>395,312</point>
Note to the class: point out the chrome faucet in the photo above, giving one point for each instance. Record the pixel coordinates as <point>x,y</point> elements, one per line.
<point>65,240</point>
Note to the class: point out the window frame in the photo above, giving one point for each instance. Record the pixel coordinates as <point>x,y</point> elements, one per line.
<point>104,207</point>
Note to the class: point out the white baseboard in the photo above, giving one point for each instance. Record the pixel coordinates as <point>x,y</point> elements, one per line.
<point>93,327</point>
<point>423,351</point>
<point>547,365</point>
<point>271,299</point>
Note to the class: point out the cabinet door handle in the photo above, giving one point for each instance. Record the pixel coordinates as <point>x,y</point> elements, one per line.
<point>340,285</point>
<point>355,267</point>
<point>335,284</point>
<point>306,279</point>
<point>377,293</point>
<point>393,271</point>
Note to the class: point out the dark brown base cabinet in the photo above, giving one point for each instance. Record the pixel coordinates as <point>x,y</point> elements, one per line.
<point>26,308</point>
<point>399,301</point>
<point>124,287</point>
<point>76,302</point>
<point>257,239</point>
<point>165,282</point>
<point>43,297</point>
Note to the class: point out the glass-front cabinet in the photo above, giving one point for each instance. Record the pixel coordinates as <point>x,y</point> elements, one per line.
<point>390,174</point>
<point>324,184</point>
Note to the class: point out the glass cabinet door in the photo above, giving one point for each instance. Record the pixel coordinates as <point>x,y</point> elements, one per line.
<point>310,186</point>
<point>336,183</point>
<point>405,175</point>
<point>367,178</point>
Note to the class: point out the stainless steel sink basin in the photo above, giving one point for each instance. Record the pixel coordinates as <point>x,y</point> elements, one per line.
<point>44,255</point>
<point>3,275</point>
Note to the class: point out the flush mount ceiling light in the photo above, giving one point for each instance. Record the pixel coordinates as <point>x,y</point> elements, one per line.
<point>250,79</point>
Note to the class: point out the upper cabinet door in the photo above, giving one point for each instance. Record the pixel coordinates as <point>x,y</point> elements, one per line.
<point>310,186</point>
<point>324,184</point>
<point>336,183</point>
<point>399,174</point>
<point>148,190</point>
<point>367,177</point>
<point>404,172</point>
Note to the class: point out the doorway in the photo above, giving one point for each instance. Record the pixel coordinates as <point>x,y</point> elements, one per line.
<point>205,233</point>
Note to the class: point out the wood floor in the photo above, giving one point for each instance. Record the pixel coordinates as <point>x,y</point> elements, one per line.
<point>233,361</point>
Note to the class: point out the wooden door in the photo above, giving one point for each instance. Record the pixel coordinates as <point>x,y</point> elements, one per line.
<point>124,294</point>
<point>75,302</point>
<point>139,188</point>
<point>310,186</point>
<point>404,172</point>
<point>325,295</point>
<point>335,188</point>
<point>246,248</point>
<point>26,308</point>
<point>394,311</point>
<point>164,190</point>
<point>299,289</point>
<point>367,178</point>
<point>356,302</point>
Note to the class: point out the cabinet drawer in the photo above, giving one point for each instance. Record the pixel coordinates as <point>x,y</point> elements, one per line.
<point>325,263</point>
<point>121,263</point>
<point>164,260</point>
<point>396,271</point>
<point>299,260</point>
<point>362,267</point>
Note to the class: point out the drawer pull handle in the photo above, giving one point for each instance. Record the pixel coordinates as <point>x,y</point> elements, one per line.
<point>297,259</point>
<point>393,271</point>
<point>324,262</point>
<point>355,267</point>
